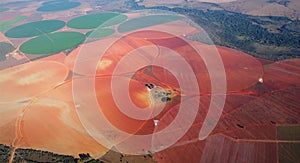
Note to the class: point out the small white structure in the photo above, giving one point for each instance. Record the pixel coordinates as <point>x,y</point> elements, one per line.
<point>156,122</point>
<point>148,89</point>
<point>261,80</point>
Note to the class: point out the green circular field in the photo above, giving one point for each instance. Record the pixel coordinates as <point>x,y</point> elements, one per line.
<point>146,21</point>
<point>4,9</point>
<point>100,33</point>
<point>57,5</point>
<point>96,20</point>
<point>35,28</point>
<point>52,43</point>
<point>53,2</point>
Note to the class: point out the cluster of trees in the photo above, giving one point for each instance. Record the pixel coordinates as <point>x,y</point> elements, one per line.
<point>227,23</point>
<point>292,27</point>
<point>30,155</point>
<point>4,153</point>
<point>239,30</point>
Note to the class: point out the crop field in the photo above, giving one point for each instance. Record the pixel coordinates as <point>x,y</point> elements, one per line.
<point>91,84</point>
<point>4,9</point>
<point>35,28</point>
<point>100,33</point>
<point>139,23</point>
<point>7,24</point>
<point>53,6</point>
<point>52,43</point>
<point>96,20</point>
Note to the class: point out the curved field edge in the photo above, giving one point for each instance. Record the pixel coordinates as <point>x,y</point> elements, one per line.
<point>96,20</point>
<point>5,25</point>
<point>35,28</point>
<point>52,43</point>
<point>58,6</point>
<point>100,33</point>
<point>146,21</point>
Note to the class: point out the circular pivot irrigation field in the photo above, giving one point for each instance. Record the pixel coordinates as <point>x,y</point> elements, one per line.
<point>95,20</point>
<point>35,28</point>
<point>58,5</point>
<point>100,33</point>
<point>52,43</point>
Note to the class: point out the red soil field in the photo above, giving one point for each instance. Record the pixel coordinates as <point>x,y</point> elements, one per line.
<point>3,38</point>
<point>254,140</point>
<point>109,108</point>
<point>59,57</point>
<point>30,79</point>
<point>87,61</point>
<point>9,115</point>
<point>219,149</point>
<point>237,65</point>
<point>242,71</point>
<point>40,129</point>
<point>47,113</point>
<point>282,74</point>
<point>246,131</point>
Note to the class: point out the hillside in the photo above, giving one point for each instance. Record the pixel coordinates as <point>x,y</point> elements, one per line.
<point>287,8</point>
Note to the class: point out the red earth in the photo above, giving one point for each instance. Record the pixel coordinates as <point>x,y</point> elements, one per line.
<point>261,97</point>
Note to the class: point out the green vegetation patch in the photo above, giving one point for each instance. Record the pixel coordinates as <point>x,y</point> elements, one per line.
<point>4,153</point>
<point>13,21</point>
<point>5,25</point>
<point>35,28</point>
<point>243,32</point>
<point>95,20</point>
<point>5,48</point>
<point>147,21</point>
<point>100,33</point>
<point>289,152</point>
<point>57,5</point>
<point>52,43</point>
<point>54,2</point>
<point>31,155</point>
<point>288,132</point>
<point>4,9</point>
<point>294,26</point>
